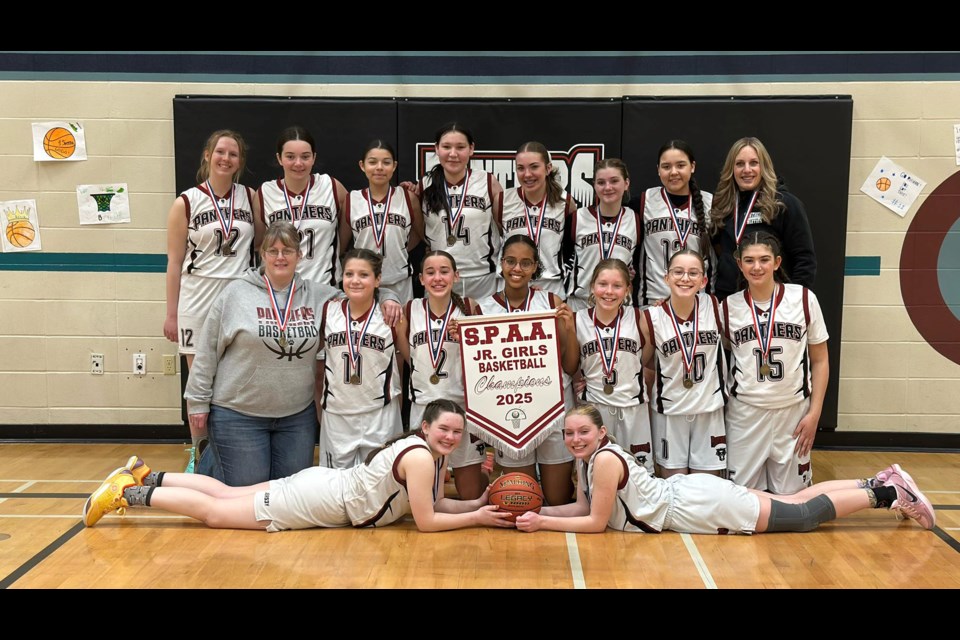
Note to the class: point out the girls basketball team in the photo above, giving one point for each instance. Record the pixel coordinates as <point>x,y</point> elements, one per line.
<point>696,413</point>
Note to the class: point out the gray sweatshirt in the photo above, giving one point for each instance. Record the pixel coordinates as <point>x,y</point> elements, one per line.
<point>240,364</point>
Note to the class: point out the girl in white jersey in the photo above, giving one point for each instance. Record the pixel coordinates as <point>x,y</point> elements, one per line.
<point>520,265</point>
<point>399,478</point>
<point>361,383</point>
<point>210,241</point>
<point>425,342</point>
<point>778,343</point>
<point>602,231</point>
<point>689,386</point>
<point>608,355</point>
<point>674,217</point>
<point>539,208</point>
<point>613,490</point>
<point>461,211</point>
<point>384,219</point>
<point>313,202</point>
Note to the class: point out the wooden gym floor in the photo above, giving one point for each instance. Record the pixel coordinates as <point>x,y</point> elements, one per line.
<point>43,543</point>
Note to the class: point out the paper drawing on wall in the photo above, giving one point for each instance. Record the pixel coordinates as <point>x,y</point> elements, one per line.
<point>893,186</point>
<point>58,141</point>
<point>103,203</point>
<point>22,231</point>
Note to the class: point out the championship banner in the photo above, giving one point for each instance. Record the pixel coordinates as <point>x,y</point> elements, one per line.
<point>512,379</point>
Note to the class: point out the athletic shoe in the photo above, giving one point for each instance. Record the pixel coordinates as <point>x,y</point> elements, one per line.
<point>910,501</point>
<point>138,469</point>
<point>109,497</point>
<point>881,478</point>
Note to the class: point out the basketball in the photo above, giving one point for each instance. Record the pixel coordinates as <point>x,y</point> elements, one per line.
<point>883,184</point>
<point>59,143</point>
<point>516,493</point>
<point>20,233</point>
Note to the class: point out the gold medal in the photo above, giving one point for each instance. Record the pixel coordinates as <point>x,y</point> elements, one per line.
<point>434,379</point>
<point>283,342</point>
<point>451,240</point>
<point>608,389</point>
<point>764,369</point>
<point>687,383</point>
<point>354,379</point>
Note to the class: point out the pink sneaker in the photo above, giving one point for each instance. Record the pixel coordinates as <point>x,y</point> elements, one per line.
<point>882,476</point>
<point>910,501</point>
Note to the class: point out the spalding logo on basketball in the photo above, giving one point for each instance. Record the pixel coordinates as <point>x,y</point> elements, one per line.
<point>516,493</point>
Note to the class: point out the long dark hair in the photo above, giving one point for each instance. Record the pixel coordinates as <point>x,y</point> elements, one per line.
<point>767,239</point>
<point>430,414</point>
<point>684,148</point>
<point>375,260</point>
<point>435,196</point>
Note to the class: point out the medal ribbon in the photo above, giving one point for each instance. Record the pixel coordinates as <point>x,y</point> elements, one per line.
<point>687,355</point>
<point>275,305</point>
<point>454,218</point>
<point>436,348</point>
<point>764,338</point>
<point>295,216</point>
<point>379,231</point>
<point>534,229</point>
<point>605,360</point>
<point>605,253</point>
<point>353,348</point>
<point>741,225</point>
<point>681,237</point>
<point>526,303</point>
<point>226,221</point>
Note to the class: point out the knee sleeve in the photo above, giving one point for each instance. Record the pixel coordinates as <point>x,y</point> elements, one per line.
<point>800,517</point>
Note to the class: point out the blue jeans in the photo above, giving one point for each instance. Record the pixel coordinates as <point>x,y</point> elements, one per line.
<point>249,450</point>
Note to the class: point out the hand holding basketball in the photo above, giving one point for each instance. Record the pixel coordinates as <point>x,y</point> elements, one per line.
<point>515,494</point>
<point>529,522</point>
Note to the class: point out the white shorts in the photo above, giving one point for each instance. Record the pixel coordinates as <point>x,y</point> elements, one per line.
<point>196,297</point>
<point>311,498</point>
<point>403,289</point>
<point>760,447</point>
<point>550,451</point>
<point>703,503</point>
<point>477,287</point>
<point>345,441</point>
<point>691,442</point>
<point>630,427</point>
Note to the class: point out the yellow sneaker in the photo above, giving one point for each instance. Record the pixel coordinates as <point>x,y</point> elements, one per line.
<point>138,469</point>
<point>109,497</point>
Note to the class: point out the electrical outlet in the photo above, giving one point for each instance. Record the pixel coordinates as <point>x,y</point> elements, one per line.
<point>140,363</point>
<point>169,365</point>
<point>96,364</point>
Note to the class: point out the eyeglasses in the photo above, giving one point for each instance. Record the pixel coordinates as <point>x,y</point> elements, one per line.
<point>525,264</point>
<point>693,274</point>
<point>287,253</point>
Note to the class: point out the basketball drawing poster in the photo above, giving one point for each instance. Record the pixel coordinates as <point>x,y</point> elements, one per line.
<point>512,380</point>
<point>58,142</point>
<point>21,230</point>
<point>893,186</point>
<point>103,203</point>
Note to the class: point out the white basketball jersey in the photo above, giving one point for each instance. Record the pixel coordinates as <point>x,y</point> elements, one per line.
<point>642,501</point>
<point>627,375</point>
<point>448,369</point>
<point>662,238</point>
<point>317,225</point>
<point>376,366</point>
<point>587,246</point>
<point>476,236</point>
<point>708,372</point>
<point>524,218</point>
<point>374,495</point>
<point>797,322</point>
<point>396,230</point>
<point>212,251</point>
